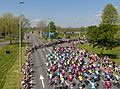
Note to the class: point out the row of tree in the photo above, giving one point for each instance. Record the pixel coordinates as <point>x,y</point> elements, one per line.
<point>9,25</point>
<point>47,29</point>
<point>43,27</point>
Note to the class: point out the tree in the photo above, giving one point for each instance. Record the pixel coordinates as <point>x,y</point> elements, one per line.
<point>110,15</point>
<point>25,25</point>
<point>8,25</point>
<point>117,35</point>
<point>25,22</point>
<point>92,35</point>
<point>41,25</point>
<point>2,27</point>
<point>52,29</point>
<point>83,31</point>
<point>104,35</point>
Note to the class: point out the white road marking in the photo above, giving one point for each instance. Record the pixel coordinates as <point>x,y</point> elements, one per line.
<point>102,80</point>
<point>48,49</point>
<point>42,78</point>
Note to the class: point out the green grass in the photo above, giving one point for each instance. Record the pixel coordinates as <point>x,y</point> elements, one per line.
<point>10,76</point>
<point>43,40</point>
<point>5,39</point>
<point>6,62</point>
<point>114,54</point>
<point>72,36</point>
<point>61,34</point>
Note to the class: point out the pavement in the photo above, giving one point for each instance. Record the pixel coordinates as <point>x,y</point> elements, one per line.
<point>40,79</point>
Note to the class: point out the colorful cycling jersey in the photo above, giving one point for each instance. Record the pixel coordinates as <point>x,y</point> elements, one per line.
<point>69,69</point>
<point>85,74</point>
<point>90,71</point>
<point>63,72</point>
<point>80,78</point>
<point>96,72</point>
<point>117,77</point>
<point>107,76</point>
<point>50,76</point>
<point>92,85</point>
<point>94,76</point>
<point>58,73</point>
<point>62,80</point>
<point>70,77</point>
<point>108,84</point>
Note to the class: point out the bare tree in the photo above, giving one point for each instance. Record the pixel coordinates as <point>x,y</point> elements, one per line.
<point>41,25</point>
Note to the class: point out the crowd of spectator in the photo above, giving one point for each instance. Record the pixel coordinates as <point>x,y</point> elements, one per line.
<point>27,70</point>
<point>61,41</point>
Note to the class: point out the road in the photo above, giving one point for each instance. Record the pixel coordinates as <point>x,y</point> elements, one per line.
<point>39,66</point>
<point>4,43</point>
<point>39,59</point>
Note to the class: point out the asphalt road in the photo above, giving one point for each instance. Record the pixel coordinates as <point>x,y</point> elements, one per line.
<point>4,43</point>
<point>39,66</point>
<point>39,59</point>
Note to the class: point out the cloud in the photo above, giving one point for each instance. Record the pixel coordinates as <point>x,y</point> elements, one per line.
<point>98,14</point>
<point>36,20</point>
<point>116,7</point>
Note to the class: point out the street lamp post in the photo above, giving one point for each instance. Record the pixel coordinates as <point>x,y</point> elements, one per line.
<point>49,26</point>
<point>20,37</point>
<point>77,23</point>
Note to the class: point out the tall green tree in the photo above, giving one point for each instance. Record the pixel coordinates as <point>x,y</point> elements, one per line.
<point>110,15</point>
<point>92,35</point>
<point>104,35</point>
<point>52,29</point>
<point>8,25</point>
<point>117,35</point>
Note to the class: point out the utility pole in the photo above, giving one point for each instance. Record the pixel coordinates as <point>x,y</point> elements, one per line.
<point>49,27</point>
<point>20,36</point>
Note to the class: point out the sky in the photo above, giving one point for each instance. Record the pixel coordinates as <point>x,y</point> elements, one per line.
<point>65,13</point>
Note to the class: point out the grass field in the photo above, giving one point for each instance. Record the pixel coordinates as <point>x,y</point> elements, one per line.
<point>114,54</point>
<point>72,36</point>
<point>10,76</point>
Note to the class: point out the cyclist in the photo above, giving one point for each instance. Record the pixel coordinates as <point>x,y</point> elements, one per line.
<point>92,84</point>
<point>107,84</point>
<point>70,77</point>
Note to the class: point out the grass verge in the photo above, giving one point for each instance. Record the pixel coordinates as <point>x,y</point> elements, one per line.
<point>10,76</point>
<point>114,54</point>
